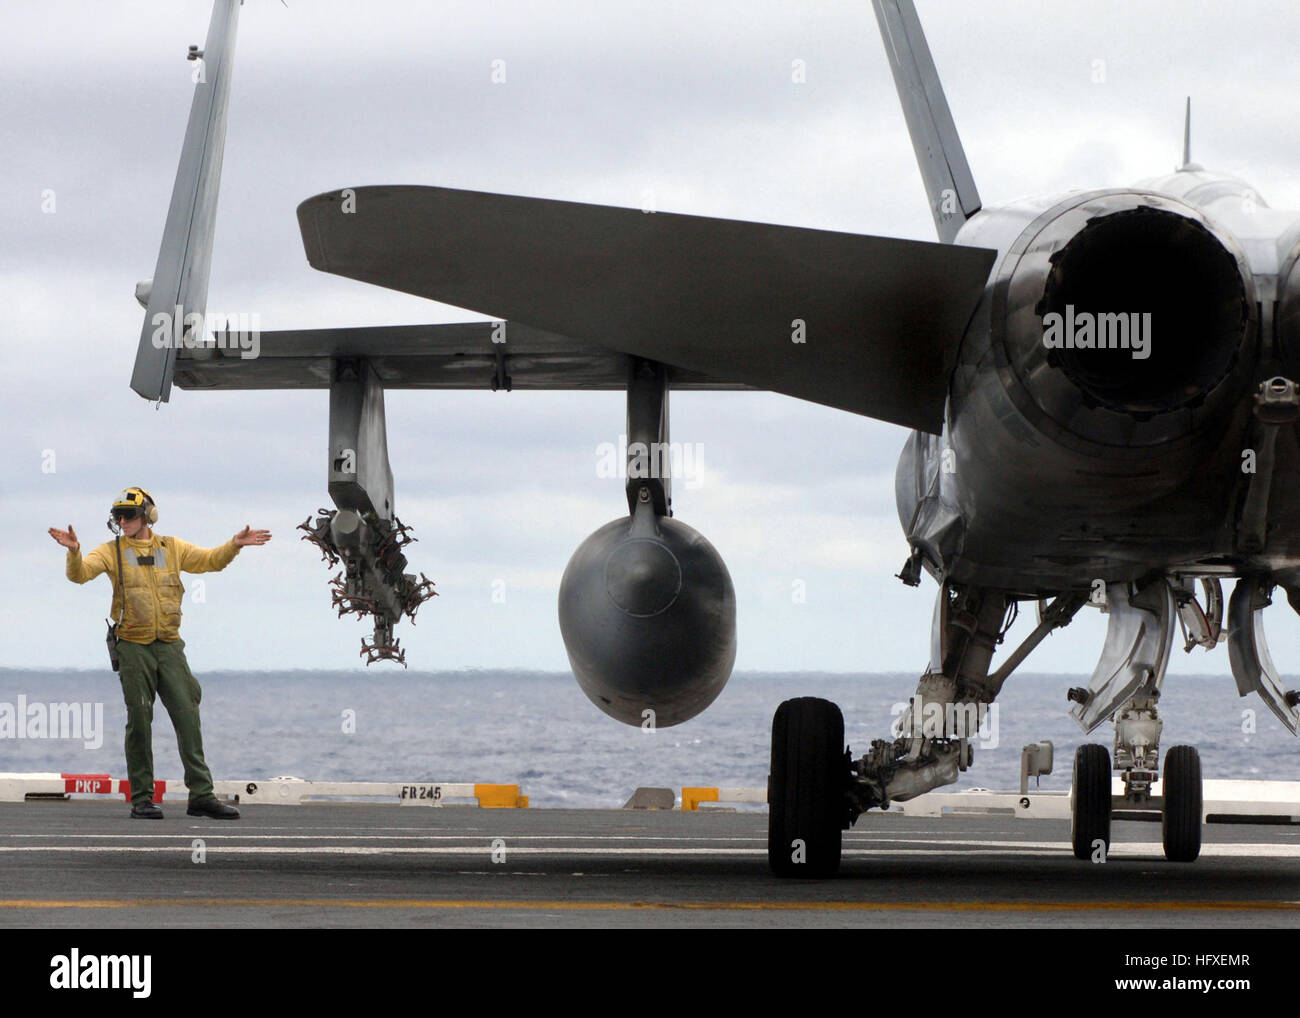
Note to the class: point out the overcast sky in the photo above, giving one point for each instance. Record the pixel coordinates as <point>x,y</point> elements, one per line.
<point>692,102</point>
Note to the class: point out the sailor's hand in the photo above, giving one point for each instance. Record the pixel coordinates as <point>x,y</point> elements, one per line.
<point>67,538</point>
<point>249,536</point>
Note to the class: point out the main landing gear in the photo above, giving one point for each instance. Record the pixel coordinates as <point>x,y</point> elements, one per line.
<point>808,789</point>
<point>816,789</point>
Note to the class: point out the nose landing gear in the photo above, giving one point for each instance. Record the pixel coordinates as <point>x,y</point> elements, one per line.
<point>1092,804</point>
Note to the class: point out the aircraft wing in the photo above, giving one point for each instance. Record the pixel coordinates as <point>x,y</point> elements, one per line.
<point>861,323</point>
<point>462,355</point>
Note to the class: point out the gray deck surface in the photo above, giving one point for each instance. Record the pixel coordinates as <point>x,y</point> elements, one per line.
<point>85,864</point>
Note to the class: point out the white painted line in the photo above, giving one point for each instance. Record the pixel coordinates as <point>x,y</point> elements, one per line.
<point>969,848</point>
<point>388,837</point>
<point>483,849</point>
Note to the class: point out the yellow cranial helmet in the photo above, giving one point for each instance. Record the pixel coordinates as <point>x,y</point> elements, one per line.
<point>135,499</point>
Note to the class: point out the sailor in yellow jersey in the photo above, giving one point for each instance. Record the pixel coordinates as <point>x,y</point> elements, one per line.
<point>147,606</point>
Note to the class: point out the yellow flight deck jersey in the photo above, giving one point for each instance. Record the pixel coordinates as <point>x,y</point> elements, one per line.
<point>153,589</point>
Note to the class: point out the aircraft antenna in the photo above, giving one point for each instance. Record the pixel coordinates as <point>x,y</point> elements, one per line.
<point>1187,135</point>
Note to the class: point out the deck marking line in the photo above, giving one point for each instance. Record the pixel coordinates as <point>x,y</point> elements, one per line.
<point>692,906</point>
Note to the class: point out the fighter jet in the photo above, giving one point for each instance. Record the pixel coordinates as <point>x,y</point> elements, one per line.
<point>1100,386</point>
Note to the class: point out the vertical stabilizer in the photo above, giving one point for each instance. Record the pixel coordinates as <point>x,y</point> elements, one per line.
<point>949,185</point>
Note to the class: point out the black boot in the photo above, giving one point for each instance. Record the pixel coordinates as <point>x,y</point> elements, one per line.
<point>212,808</point>
<point>145,811</point>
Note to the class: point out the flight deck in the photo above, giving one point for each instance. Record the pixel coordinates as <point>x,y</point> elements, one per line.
<point>84,864</point>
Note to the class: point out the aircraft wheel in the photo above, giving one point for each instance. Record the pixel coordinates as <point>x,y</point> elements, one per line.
<point>1090,800</point>
<point>1181,822</point>
<point>806,805</point>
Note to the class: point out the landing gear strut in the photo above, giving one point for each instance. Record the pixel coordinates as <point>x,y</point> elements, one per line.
<point>816,790</point>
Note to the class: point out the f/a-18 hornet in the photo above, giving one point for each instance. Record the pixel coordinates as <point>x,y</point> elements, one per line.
<point>1099,383</point>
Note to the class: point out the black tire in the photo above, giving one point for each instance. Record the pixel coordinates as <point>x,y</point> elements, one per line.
<point>806,789</point>
<point>1180,824</point>
<point>1090,800</point>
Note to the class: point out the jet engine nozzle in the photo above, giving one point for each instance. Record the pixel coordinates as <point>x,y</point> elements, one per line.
<point>1127,318</point>
<point>648,616</point>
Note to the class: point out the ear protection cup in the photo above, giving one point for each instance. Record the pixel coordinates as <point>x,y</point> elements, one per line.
<point>150,510</point>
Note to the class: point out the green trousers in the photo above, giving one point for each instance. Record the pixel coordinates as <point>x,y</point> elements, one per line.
<point>159,669</point>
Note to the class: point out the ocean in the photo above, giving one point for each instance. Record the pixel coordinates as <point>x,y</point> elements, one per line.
<point>537,729</point>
